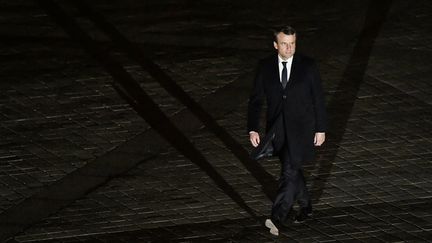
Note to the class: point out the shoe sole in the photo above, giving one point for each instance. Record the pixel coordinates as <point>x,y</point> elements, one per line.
<point>309,216</point>
<point>273,229</point>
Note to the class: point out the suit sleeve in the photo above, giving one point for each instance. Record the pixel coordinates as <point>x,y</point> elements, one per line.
<point>318,100</point>
<point>256,100</point>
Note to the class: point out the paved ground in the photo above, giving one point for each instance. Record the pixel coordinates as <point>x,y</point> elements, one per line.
<point>125,121</point>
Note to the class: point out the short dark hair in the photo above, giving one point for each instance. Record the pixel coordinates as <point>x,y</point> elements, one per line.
<point>287,30</point>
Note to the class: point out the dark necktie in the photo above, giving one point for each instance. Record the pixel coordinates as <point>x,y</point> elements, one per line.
<point>284,75</point>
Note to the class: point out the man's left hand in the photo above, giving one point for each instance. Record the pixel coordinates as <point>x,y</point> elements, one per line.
<point>319,138</point>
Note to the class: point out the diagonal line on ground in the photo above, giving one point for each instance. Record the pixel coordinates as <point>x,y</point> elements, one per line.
<point>342,102</point>
<point>257,171</point>
<point>61,193</point>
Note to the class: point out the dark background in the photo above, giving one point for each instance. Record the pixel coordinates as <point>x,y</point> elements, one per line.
<point>124,121</point>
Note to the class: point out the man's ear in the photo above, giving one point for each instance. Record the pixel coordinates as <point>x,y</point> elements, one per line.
<point>275,45</point>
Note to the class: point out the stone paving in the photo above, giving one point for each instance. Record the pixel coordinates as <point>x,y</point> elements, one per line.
<point>82,160</point>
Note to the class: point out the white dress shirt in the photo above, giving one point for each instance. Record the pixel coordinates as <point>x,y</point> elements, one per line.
<point>288,66</point>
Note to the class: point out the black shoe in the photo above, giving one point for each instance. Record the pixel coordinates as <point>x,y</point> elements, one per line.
<point>284,221</point>
<point>304,214</point>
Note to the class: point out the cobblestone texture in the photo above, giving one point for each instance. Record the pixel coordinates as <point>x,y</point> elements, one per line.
<point>60,112</point>
<point>58,108</point>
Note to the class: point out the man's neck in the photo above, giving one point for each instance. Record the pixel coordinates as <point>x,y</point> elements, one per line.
<point>283,59</point>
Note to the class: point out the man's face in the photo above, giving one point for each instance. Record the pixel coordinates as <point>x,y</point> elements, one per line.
<point>285,45</point>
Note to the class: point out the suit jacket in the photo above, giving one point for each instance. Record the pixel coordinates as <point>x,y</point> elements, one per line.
<point>301,105</point>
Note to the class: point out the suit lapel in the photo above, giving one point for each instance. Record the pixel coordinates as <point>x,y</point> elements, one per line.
<point>293,72</point>
<point>275,71</point>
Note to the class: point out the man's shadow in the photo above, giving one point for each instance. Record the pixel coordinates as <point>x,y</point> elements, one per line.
<point>342,102</point>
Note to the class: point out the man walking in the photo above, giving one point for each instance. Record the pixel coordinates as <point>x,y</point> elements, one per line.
<point>296,119</point>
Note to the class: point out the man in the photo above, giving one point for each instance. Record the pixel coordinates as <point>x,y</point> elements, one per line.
<point>291,86</point>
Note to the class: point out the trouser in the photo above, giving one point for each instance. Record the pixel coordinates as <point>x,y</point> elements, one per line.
<point>292,187</point>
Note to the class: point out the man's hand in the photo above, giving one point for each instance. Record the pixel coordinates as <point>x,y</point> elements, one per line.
<point>319,138</point>
<point>254,138</point>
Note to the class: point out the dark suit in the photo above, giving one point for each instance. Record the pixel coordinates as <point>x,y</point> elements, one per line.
<point>300,108</point>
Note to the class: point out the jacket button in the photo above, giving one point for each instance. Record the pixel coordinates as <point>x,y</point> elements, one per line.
<point>284,97</point>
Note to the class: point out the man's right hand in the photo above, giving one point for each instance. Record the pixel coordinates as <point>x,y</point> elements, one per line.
<point>254,138</point>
